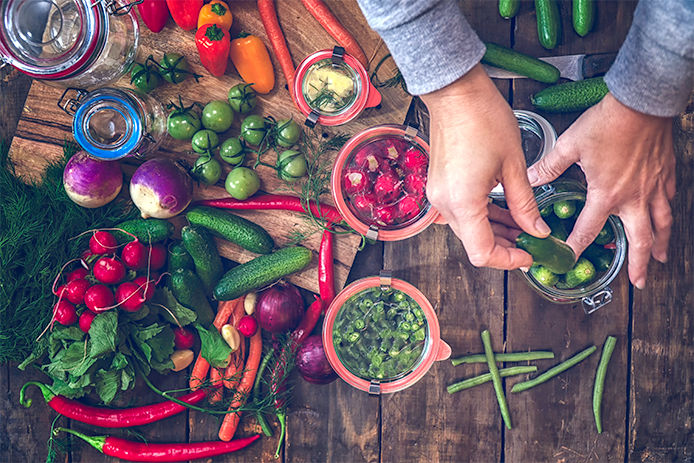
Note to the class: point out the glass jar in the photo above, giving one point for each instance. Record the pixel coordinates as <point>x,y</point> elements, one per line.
<point>596,293</point>
<point>111,123</point>
<point>387,209</point>
<point>429,345</point>
<point>332,88</point>
<point>69,43</point>
<point>538,138</point>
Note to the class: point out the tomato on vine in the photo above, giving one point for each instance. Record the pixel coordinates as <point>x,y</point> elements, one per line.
<point>232,151</point>
<point>242,98</point>
<point>204,141</point>
<point>144,77</point>
<point>182,122</point>
<point>291,165</point>
<point>287,133</point>
<point>253,129</point>
<point>174,68</point>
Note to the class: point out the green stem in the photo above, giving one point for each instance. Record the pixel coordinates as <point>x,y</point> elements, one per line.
<point>554,371</point>
<point>481,379</point>
<point>95,441</point>
<point>504,357</point>
<point>261,370</point>
<point>45,390</point>
<point>282,417</point>
<point>267,430</point>
<point>598,387</point>
<point>496,378</point>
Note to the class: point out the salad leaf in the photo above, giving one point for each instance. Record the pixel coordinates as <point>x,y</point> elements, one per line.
<point>103,334</point>
<point>183,315</point>
<point>107,384</point>
<point>213,348</point>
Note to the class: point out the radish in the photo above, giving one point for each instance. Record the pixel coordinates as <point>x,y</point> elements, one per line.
<point>364,204</point>
<point>102,242</point>
<point>415,161</point>
<point>109,270</point>
<point>157,258</point>
<point>75,290</point>
<point>183,338</point>
<point>99,298</point>
<point>160,188</point>
<point>65,313</point>
<point>77,274</point>
<point>146,288</point>
<point>393,148</point>
<point>384,215</point>
<point>408,207</point>
<point>86,320</point>
<point>248,326</point>
<point>355,182</point>
<point>416,184</point>
<point>91,183</point>
<point>60,290</point>
<point>130,297</point>
<point>387,188</point>
<point>365,159</point>
<point>134,255</point>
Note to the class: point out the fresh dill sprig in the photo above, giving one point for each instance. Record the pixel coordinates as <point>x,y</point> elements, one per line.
<point>393,81</point>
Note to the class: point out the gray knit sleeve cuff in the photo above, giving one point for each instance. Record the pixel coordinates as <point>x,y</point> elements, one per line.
<point>433,49</point>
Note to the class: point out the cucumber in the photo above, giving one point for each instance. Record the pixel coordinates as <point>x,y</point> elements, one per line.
<point>232,228</point>
<point>583,16</point>
<point>548,23</point>
<point>188,289</point>
<point>544,276</point>
<point>581,274</point>
<point>520,63</point>
<point>564,209</point>
<point>605,236</point>
<point>508,8</point>
<point>549,252</point>
<point>146,230</point>
<point>558,227</point>
<point>179,257</point>
<point>600,257</point>
<point>200,245</point>
<point>261,271</point>
<point>546,211</point>
<point>570,96</point>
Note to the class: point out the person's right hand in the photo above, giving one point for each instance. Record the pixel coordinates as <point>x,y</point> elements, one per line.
<point>475,144</point>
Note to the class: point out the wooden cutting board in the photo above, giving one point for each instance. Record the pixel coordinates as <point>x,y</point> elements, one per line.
<point>44,127</point>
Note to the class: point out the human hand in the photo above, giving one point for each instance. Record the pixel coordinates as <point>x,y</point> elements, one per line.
<point>629,164</point>
<point>475,144</point>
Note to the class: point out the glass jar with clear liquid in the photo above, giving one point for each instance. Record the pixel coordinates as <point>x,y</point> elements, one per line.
<point>69,43</point>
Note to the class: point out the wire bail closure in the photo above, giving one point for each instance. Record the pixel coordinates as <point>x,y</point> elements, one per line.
<point>114,9</point>
<point>71,105</point>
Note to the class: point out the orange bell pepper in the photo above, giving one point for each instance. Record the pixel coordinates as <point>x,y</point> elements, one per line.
<point>252,61</point>
<point>216,12</point>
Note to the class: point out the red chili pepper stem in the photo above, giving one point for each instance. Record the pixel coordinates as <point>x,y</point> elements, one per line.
<point>282,418</point>
<point>97,442</point>
<point>45,391</point>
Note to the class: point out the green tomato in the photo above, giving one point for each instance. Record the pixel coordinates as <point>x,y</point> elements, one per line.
<point>291,165</point>
<point>182,124</point>
<point>253,129</point>
<point>242,183</point>
<point>204,141</point>
<point>207,170</point>
<point>288,132</point>
<point>232,151</point>
<point>144,78</point>
<point>217,116</point>
<point>174,68</point>
<point>242,98</point>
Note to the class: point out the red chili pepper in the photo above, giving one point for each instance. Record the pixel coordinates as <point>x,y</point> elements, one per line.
<point>611,245</point>
<point>185,12</point>
<point>110,418</point>
<point>213,46</point>
<point>140,451</point>
<point>276,202</point>
<point>154,14</point>
<point>326,272</point>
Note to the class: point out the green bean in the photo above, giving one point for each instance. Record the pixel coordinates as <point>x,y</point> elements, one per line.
<point>496,378</point>
<point>554,371</point>
<point>481,379</point>
<point>504,357</point>
<point>607,350</point>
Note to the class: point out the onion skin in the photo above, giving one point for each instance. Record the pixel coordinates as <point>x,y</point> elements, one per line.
<point>279,308</point>
<point>90,182</point>
<point>312,363</point>
<point>160,188</point>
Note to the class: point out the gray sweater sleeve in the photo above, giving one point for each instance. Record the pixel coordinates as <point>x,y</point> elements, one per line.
<point>430,40</point>
<point>654,70</point>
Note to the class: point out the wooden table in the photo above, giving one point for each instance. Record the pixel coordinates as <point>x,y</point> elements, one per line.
<point>648,408</point>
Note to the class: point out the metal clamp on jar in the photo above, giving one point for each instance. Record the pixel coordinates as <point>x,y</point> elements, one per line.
<point>69,43</point>
<point>112,123</point>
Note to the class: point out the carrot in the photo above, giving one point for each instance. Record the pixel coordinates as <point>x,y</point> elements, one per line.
<point>218,391</point>
<point>332,25</point>
<point>231,420</point>
<point>268,14</point>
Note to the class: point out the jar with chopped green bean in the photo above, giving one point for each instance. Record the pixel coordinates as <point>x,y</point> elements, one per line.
<point>379,334</point>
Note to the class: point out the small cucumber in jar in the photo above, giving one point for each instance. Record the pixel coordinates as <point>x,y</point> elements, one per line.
<point>564,209</point>
<point>605,236</point>
<point>600,257</point>
<point>549,252</point>
<point>581,274</point>
<point>558,227</point>
<point>544,276</point>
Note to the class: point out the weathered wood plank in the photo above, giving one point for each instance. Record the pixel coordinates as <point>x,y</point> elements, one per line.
<point>14,87</point>
<point>661,404</point>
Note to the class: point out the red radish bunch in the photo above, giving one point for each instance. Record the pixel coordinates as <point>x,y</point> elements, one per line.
<point>415,161</point>
<point>75,290</point>
<point>130,297</point>
<point>248,326</point>
<point>65,313</point>
<point>365,159</point>
<point>134,255</point>
<point>408,207</point>
<point>102,242</point>
<point>364,204</point>
<point>355,182</point>
<point>183,338</point>
<point>386,188</point>
<point>416,185</point>
<point>109,270</point>
<point>86,319</point>
<point>77,274</point>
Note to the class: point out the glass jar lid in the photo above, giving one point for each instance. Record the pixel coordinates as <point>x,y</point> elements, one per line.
<point>51,39</point>
<point>107,124</point>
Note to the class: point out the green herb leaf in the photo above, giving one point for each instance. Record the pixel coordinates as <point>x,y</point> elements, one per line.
<point>184,315</point>
<point>162,345</point>
<point>103,334</point>
<point>107,384</point>
<point>213,347</point>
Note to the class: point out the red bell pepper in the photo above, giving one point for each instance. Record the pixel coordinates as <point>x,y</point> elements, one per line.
<point>185,12</point>
<point>213,46</point>
<point>154,14</point>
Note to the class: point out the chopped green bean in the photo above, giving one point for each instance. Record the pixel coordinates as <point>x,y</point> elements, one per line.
<point>607,350</point>
<point>505,357</point>
<point>481,379</point>
<point>496,378</point>
<point>554,371</point>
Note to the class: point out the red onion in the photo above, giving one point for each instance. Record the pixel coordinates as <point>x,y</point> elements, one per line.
<point>160,188</point>
<point>312,362</point>
<point>279,308</point>
<point>90,182</point>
